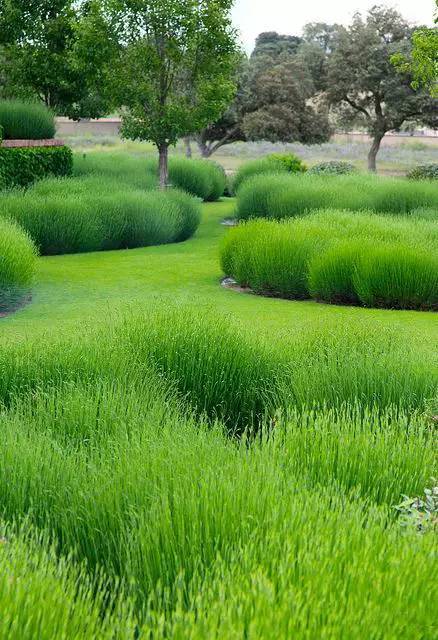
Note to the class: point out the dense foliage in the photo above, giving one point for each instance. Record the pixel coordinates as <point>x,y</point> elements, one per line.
<point>338,257</point>
<point>25,121</point>
<point>332,167</point>
<point>17,264</point>
<point>21,166</point>
<point>424,172</point>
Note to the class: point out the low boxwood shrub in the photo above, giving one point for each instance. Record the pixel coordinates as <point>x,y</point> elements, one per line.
<point>338,257</point>
<point>17,264</point>
<point>87,220</point>
<point>274,163</point>
<point>424,172</point>
<point>21,166</point>
<point>332,168</point>
<point>26,120</point>
<point>282,196</point>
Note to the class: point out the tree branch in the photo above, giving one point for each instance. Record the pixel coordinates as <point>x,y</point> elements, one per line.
<point>357,107</point>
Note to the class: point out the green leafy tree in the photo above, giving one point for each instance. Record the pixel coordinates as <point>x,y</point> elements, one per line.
<point>175,66</point>
<point>50,52</point>
<point>423,61</point>
<point>360,74</point>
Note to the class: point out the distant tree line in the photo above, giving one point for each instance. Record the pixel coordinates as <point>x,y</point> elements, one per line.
<point>174,70</point>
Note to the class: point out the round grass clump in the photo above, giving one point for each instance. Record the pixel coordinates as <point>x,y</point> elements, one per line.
<point>121,169</point>
<point>74,217</point>
<point>201,178</point>
<point>338,257</point>
<point>26,120</point>
<point>274,163</point>
<point>17,264</point>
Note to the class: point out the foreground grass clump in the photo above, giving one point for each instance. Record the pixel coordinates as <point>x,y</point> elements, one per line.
<point>338,257</point>
<point>275,163</point>
<point>285,196</point>
<point>45,597</point>
<point>25,121</point>
<point>17,264</point>
<point>74,216</point>
<point>173,509</point>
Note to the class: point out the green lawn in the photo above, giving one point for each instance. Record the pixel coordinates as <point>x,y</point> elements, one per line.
<point>73,289</point>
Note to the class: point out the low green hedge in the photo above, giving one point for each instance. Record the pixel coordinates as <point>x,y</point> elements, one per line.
<point>338,257</point>
<point>21,166</point>
<point>68,218</point>
<point>17,264</point>
<point>26,120</point>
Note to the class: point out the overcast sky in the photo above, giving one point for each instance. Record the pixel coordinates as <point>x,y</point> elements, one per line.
<point>288,16</point>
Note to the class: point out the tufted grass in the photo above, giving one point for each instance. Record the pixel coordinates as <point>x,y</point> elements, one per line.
<point>17,263</point>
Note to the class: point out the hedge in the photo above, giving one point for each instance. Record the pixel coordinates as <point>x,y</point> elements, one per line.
<point>21,166</point>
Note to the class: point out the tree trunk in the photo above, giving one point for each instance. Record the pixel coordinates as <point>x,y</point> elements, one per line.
<point>373,151</point>
<point>204,149</point>
<point>163,167</point>
<point>188,146</point>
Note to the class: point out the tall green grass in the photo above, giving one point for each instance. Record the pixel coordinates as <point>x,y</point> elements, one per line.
<point>17,263</point>
<point>26,120</point>
<point>275,163</point>
<point>283,196</point>
<point>115,445</point>
<point>202,178</point>
<point>79,215</point>
<point>338,257</point>
<point>42,596</point>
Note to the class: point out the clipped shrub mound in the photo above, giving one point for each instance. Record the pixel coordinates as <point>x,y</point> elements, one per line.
<point>338,257</point>
<point>26,121</point>
<point>332,168</point>
<point>70,218</point>
<point>424,172</point>
<point>273,163</point>
<point>286,196</point>
<point>17,264</point>
<point>21,166</point>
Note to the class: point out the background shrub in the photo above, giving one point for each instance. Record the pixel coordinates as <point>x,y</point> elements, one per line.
<point>17,263</point>
<point>338,257</point>
<point>290,161</point>
<point>424,172</point>
<point>21,166</point>
<point>333,167</point>
<point>26,121</point>
<point>285,196</point>
<point>75,222</point>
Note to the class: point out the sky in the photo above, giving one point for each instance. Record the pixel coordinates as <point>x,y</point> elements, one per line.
<point>252,17</point>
